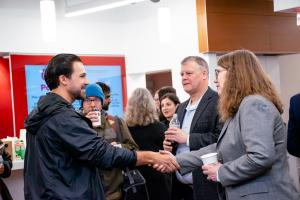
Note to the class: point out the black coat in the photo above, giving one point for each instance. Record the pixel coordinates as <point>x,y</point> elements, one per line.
<point>7,163</point>
<point>205,130</point>
<point>293,139</point>
<point>63,153</point>
<point>150,138</point>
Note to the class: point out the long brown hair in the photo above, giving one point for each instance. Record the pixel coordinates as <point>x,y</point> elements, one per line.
<point>245,76</point>
<point>140,109</point>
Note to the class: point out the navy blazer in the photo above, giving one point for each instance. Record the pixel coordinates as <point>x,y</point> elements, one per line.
<point>293,140</point>
<point>205,130</point>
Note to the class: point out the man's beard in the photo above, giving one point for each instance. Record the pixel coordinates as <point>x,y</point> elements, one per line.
<point>78,96</point>
<point>105,107</point>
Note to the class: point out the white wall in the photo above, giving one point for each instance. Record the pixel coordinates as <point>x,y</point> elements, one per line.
<point>131,31</point>
<point>144,51</point>
<point>290,85</point>
<point>21,31</point>
<point>290,79</point>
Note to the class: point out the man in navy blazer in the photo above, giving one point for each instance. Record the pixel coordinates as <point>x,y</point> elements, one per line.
<point>293,140</point>
<point>199,127</point>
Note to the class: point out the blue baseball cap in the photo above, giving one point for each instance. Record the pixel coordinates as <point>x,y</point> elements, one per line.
<point>94,90</point>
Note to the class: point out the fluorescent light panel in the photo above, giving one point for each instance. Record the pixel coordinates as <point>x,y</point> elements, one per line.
<point>102,7</point>
<point>48,19</point>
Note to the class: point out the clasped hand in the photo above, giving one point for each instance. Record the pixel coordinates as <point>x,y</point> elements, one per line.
<point>169,163</point>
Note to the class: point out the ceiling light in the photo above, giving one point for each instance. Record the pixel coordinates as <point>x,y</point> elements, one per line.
<point>48,19</point>
<point>102,7</point>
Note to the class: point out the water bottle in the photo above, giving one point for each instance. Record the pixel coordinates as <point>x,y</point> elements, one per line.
<point>22,149</point>
<point>18,149</point>
<point>174,123</point>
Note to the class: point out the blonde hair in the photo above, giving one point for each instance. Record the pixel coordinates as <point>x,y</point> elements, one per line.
<point>140,109</point>
<point>245,76</point>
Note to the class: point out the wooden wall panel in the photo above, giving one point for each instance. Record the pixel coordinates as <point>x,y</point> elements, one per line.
<point>202,27</point>
<point>235,24</point>
<point>284,35</point>
<point>228,32</point>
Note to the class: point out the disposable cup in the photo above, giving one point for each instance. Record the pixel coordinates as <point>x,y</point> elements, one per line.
<point>209,158</point>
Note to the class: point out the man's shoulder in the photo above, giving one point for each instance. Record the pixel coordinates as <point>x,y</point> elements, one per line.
<point>211,93</point>
<point>183,105</point>
<point>296,98</point>
<point>68,112</point>
<point>69,116</point>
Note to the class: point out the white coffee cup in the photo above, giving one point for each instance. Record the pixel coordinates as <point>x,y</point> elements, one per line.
<point>209,158</point>
<point>97,123</point>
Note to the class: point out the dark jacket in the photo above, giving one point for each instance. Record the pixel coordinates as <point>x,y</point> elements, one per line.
<point>63,153</point>
<point>293,139</point>
<point>205,129</point>
<point>7,163</point>
<point>150,138</point>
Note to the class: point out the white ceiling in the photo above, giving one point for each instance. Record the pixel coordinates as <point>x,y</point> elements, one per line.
<point>31,8</point>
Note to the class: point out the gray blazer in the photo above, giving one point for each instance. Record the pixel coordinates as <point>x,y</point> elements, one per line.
<point>252,148</point>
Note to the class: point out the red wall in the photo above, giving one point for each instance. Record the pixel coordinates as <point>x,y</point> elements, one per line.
<point>6,119</point>
<point>18,63</point>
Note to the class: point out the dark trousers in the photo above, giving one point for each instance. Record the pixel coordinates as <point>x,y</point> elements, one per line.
<point>181,191</point>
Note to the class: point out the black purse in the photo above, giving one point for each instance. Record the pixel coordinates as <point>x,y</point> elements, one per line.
<point>134,185</point>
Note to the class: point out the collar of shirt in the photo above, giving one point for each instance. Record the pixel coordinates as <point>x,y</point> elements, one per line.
<point>191,107</point>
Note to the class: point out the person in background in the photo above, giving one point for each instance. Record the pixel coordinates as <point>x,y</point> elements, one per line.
<point>200,127</point>
<point>293,139</point>
<point>157,102</point>
<point>107,100</point>
<point>114,132</point>
<point>166,89</point>
<point>168,103</point>
<point>161,92</point>
<point>251,148</point>
<point>142,120</point>
<point>5,171</point>
<point>107,94</point>
<point>63,151</point>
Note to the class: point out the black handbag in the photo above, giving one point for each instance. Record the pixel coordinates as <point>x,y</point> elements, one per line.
<point>134,185</point>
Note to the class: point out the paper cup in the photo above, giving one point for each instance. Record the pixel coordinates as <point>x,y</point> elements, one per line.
<point>209,158</point>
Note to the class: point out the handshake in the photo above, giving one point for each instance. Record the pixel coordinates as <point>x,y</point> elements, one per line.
<point>162,161</point>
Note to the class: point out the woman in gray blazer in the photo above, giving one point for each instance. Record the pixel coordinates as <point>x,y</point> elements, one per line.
<point>252,145</point>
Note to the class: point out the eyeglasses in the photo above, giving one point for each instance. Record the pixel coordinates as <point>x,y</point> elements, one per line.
<point>89,101</point>
<point>218,71</point>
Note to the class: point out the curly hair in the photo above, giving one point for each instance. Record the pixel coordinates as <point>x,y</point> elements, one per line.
<point>245,76</point>
<point>140,109</point>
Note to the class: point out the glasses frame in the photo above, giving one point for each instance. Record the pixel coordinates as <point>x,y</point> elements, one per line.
<point>218,71</point>
<point>89,101</point>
